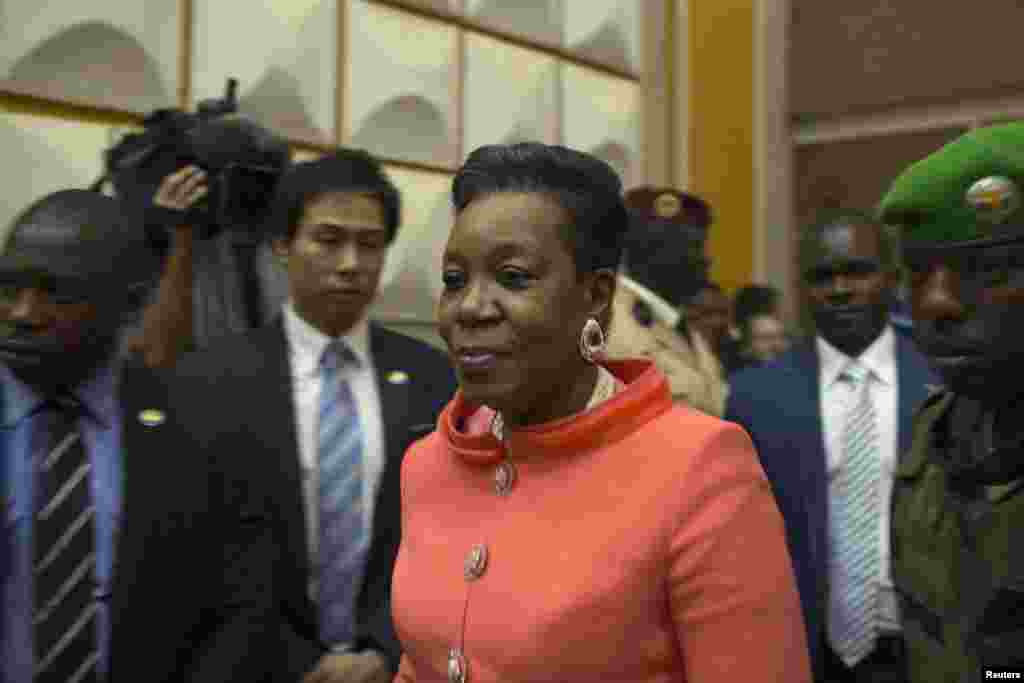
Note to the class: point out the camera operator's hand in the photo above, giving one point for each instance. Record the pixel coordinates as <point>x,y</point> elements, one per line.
<point>182,189</point>
<point>166,330</point>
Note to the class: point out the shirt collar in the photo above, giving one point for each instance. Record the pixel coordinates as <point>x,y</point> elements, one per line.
<point>308,343</point>
<point>879,358</point>
<point>663,310</point>
<point>97,394</point>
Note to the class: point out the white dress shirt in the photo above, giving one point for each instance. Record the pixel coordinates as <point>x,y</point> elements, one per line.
<point>307,345</point>
<point>837,398</point>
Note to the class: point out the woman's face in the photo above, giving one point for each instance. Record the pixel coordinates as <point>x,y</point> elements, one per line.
<point>513,306</point>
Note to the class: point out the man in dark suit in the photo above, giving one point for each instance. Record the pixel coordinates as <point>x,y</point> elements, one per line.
<point>827,417</point>
<point>85,464</point>
<point>332,401</point>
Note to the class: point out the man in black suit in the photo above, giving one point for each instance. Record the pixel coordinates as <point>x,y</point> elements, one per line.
<point>334,435</point>
<point>85,466</point>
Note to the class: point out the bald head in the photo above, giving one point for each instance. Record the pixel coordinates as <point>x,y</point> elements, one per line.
<point>847,236</point>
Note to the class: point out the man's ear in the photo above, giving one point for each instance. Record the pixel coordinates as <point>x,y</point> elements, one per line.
<point>600,290</point>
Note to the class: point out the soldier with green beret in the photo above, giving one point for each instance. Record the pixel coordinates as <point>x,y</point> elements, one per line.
<point>958,499</point>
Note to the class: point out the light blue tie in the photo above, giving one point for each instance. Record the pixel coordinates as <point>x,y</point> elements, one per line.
<point>344,538</point>
<point>853,601</point>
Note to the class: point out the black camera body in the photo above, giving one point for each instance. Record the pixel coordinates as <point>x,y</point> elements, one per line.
<point>243,162</point>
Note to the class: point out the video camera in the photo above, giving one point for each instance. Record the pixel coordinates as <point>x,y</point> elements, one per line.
<point>242,159</point>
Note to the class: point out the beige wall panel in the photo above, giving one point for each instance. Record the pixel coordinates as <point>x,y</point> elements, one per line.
<point>107,53</point>
<point>411,282</point>
<point>284,54</point>
<point>440,6</point>
<point>50,154</point>
<point>402,85</point>
<point>539,20</point>
<point>511,95</point>
<point>606,31</point>
<point>601,115</point>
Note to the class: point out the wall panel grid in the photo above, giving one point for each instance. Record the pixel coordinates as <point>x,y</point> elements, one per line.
<point>418,83</point>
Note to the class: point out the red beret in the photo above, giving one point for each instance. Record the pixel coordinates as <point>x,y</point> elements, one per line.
<point>667,204</point>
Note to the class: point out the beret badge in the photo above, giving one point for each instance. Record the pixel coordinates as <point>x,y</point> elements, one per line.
<point>667,205</point>
<point>994,199</point>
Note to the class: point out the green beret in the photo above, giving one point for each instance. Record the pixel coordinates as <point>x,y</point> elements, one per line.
<point>967,193</point>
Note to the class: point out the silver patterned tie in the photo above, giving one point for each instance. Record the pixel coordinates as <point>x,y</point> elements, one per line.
<point>344,538</point>
<point>855,561</point>
<point>65,555</point>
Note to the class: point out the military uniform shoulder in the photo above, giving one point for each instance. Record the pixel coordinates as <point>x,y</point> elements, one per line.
<point>938,400</point>
<point>936,394</point>
<point>624,303</point>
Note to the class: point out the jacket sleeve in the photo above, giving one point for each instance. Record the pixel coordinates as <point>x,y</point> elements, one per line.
<point>732,592</point>
<point>237,636</point>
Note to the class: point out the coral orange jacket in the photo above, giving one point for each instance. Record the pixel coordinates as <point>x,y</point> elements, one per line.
<point>638,541</point>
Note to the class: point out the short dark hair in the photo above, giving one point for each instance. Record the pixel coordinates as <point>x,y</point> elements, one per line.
<point>753,301</point>
<point>889,250</point>
<point>343,170</point>
<point>583,185</point>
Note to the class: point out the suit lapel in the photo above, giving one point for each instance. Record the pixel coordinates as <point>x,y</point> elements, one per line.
<point>807,367</point>
<point>131,397</point>
<point>393,389</point>
<point>814,471</point>
<point>276,410</point>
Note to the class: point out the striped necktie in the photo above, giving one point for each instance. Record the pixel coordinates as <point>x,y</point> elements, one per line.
<point>856,559</point>
<point>64,620</point>
<point>344,538</point>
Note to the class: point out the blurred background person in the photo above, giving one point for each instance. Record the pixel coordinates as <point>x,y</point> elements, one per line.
<point>637,592</point>
<point>709,312</point>
<point>761,333</point>
<point>200,185</point>
<point>664,263</point>
<point>830,420</point>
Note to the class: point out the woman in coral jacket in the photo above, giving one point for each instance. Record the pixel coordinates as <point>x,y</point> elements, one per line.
<point>566,522</point>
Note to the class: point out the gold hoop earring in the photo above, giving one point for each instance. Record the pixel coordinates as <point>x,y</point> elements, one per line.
<point>592,341</point>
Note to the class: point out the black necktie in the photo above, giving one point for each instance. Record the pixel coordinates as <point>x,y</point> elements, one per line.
<point>65,553</point>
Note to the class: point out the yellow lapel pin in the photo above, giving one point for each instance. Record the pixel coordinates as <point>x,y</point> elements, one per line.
<point>152,417</point>
<point>398,377</point>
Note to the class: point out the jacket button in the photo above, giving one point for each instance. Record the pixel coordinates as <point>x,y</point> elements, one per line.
<point>458,669</point>
<point>476,563</point>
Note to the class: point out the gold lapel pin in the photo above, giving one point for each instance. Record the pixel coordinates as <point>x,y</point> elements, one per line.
<point>151,417</point>
<point>398,377</point>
